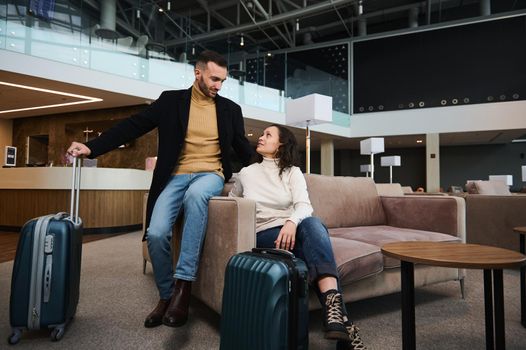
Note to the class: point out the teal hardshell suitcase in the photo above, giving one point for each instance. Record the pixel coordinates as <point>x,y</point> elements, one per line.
<point>265,302</point>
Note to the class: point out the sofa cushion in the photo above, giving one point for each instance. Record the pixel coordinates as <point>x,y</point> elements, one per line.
<point>344,201</point>
<point>356,260</point>
<point>487,187</point>
<point>492,188</point>
<point>389,189</point>
<point>380,235</point>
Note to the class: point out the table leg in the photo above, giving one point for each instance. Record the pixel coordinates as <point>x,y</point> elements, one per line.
<point>488,308</point>
<point>498,295</point>
<point>408,305</point>
<point>523,284</point>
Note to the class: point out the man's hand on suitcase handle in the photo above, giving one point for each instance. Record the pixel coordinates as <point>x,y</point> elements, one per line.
<point>287,236</point>
<point>78,149</point>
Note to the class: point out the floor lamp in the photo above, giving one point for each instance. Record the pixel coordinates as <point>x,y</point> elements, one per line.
<point>365,168</point>
<point>390,161</point>
<point>305,112</point>
<point>372,146</point>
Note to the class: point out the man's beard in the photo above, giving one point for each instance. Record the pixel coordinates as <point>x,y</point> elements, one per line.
<point>204,89</point>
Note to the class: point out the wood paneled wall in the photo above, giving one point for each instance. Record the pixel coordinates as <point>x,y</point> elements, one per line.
<point>62,129</point>
<point>97,209</point>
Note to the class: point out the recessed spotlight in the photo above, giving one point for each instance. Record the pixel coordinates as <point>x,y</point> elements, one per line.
<point>250,134</point>
<point>419,141</point>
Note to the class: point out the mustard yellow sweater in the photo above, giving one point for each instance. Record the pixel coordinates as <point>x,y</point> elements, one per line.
<point>201,152</point>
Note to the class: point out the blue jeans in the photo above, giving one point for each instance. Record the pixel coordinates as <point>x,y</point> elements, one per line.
<point>312,246</point>
<point>192,193</point>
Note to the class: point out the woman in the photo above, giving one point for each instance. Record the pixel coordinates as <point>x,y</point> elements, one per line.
<point>283,220</point>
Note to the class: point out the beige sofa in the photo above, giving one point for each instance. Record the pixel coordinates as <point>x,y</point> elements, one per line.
<point>359,221</point>
<point>492,212</point>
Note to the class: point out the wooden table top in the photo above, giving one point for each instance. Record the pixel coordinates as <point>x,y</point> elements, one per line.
<point>520,229</point>
<point>451,254</point>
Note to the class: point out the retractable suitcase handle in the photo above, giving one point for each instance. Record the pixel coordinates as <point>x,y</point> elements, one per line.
<point>274,251</point>
<point>75,191</point>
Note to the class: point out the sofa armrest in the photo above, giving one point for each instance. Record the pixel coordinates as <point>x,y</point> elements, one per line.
<point>490,219</point>
<point>231,229</point>
<point>443,214</point>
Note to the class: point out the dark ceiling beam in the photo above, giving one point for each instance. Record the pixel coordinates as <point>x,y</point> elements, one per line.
<point>292,4</point>
<point>291,36</point>
<point>220,5</point>
<point>258,26</point>
<point>307,11</point>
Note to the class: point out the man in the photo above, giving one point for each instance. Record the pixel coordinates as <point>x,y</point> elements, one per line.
<point>197,129</point>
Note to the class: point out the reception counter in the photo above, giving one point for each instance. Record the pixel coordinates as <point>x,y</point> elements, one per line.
<point>111,200</point>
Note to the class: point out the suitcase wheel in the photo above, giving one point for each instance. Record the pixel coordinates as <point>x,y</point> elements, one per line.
<point>14,338</point>
<point>57,333</point>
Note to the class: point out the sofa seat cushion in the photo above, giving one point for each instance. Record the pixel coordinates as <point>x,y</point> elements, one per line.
<point>356,260</point>
<point>381,234</point>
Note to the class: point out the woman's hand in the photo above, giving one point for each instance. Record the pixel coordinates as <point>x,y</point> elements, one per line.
<point>287,236</point>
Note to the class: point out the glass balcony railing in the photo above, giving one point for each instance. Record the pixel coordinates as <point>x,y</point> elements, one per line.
<point>265,84</point>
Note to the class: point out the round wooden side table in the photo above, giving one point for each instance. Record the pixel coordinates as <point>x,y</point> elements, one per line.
<point>458,255</point>
<point>522,248</point>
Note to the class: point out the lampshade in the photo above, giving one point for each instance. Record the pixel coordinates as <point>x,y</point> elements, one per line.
<point>372,145</point>
<point>523,173</point>
<point>311,109</point>
<point>390,161</point>
<point>507,179</point>
<point>365,168</point>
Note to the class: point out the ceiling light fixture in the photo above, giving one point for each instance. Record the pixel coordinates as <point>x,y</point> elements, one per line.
<point>242,41</point>
<point>297,24</point>
<point>419,141</point>
<point>360,8</point>
<point>86,99</point>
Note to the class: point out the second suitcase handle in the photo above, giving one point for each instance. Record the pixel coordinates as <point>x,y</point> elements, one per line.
<point>274,251</point>
<point>75,191</point>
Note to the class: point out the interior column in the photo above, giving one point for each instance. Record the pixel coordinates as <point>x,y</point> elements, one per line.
<point>108,14</point>
<point>432,162</point>
<point>327,157</point>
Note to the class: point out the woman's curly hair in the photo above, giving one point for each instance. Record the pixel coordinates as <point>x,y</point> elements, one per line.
<point>287,154</point>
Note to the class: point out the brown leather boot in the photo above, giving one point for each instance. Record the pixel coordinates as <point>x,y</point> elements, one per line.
<point>176,314</point>
<point>155,318</point>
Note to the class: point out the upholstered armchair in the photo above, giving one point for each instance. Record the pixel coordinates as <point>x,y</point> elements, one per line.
<point>231,229</point>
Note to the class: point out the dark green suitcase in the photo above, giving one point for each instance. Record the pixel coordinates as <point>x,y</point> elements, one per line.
<point>46,272</point>
<point>265,302</point>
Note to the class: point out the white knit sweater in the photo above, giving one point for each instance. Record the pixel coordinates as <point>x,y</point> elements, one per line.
<point>278,199</point>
